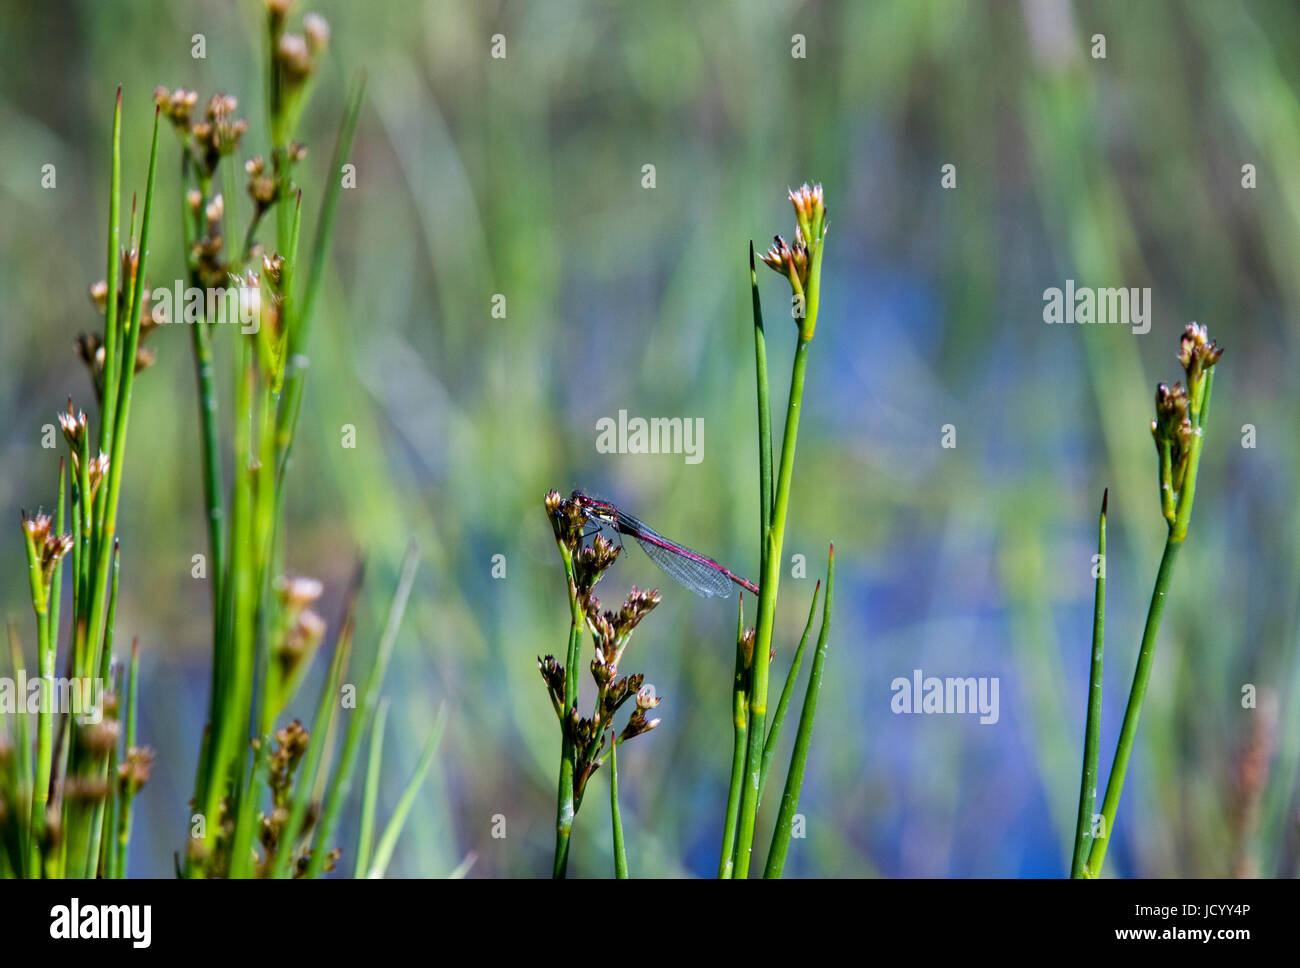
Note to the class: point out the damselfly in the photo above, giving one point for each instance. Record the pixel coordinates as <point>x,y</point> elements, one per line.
<point>702,575</point>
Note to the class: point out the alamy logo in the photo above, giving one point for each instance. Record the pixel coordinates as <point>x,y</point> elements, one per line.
<point>951,696</point>
<point>657,435</point>
<point>132,922</point>
<point>1123,307</point>
<point>230,305</point>
<point>82,697</point>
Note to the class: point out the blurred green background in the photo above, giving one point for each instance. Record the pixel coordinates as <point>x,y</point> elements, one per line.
<point>523,176</point>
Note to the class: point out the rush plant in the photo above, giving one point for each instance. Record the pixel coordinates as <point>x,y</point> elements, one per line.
<point>755,737</point>
<point>587,743</point>
<point>271,807</point>
<point>66,810</point>
<point>1182,412</point>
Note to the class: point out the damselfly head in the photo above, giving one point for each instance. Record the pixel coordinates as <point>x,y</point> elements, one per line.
<point>593,509</point>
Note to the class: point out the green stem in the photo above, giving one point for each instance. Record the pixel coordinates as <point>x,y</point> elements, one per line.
<point>370,797</point>
<point>46,659</point>
<point>109,399</point>
<point>1092,727</point>
<point>766,613</point>
<point>764,410</point>
<point>44,752</point>
<point>213,500</point>
<point>111,488</point>
<point>1178,531</point>
<point>616,817</point>
<point>740,723</point>
<point>388,840</point>
<point>241,851</point>
<point>295,356</point>
<point>781,833</point>
<point>566,808</point>
<point>132,704</point>
<point>1128,731</point>
<point>774,733</point>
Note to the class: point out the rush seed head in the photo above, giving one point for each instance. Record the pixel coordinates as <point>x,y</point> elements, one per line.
<point>96,471</point>
<point>317,31</point>
<point>294,57</point>
<point>810,211</point>
<point>73,424</point>
<point>297,592</point>
<point>36,527</point>
<point>1198,354</point>
<point>791,262</point>
<point>134,772</point>
<point>800,263</point>
<point>176,106</point>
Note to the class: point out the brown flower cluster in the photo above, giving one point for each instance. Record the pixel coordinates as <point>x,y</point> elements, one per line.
<point>594,736</point>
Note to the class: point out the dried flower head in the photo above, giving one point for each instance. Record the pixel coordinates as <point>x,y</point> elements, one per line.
<point>747,645</point>
<point>44,550</point>
<point>297,592</point>
<point>294,57</point>
<point>37,527</point>
<point>1198,354</point>
<point>99,738</point>
<point>317,32</point>
<point>646,699</point>
<point>553,675</point>
<point>96,471</point>
<point>176,106</point>
<point>636,725</point>
<point>591,562</point>
<point>1196,351</point>
<point>800,263</point>
<point>262,188</point>
<point>789,262</point>
<point>73,424</point>
<point>299,642</point>
<point>810,211</point>
<point>638,605</point>
<point>1178,426</point>
<point>134,772</point>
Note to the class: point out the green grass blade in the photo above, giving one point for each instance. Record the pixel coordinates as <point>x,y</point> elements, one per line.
<point>783,704</point>
<point>45,664</point>
<point>803,740</point>
<point>365,839</point>
<point>342,783</point>
<point>123,833</point>
<point>764,409</point>
<point>22,759</point>
<point>616,815</point>
<point>296,363</point>
<point>740,726</point>
<point>113,485</point>
<point>1092,725</point>
<point>769,587</point>
<point>109,401</point>
<point>463,867</point>
<point>388,842</point>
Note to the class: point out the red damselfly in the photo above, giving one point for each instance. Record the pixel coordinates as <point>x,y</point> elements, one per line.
<point>700,574</point>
